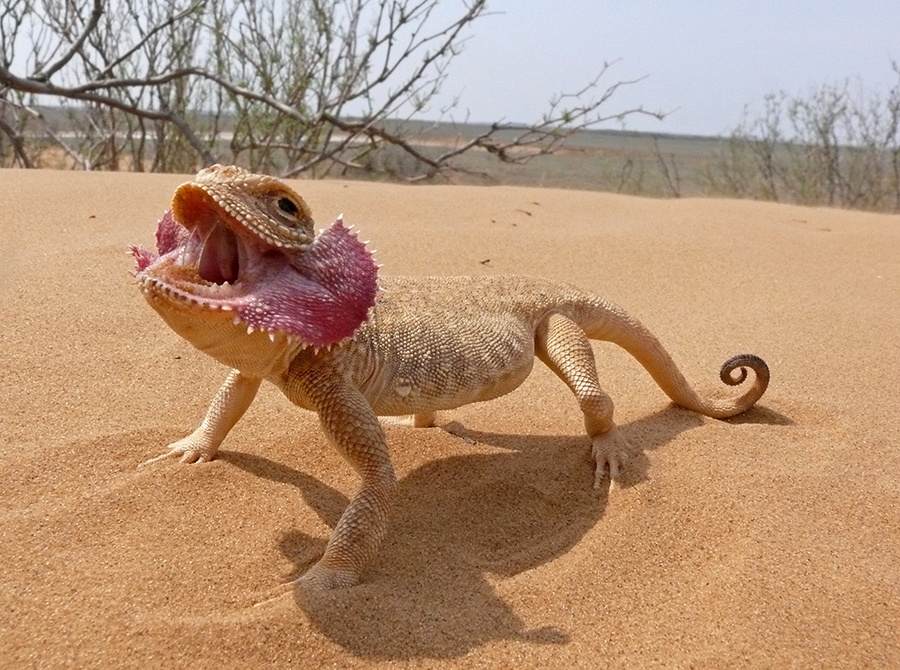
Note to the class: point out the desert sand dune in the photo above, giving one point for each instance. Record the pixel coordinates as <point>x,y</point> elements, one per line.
<point>770,540</point>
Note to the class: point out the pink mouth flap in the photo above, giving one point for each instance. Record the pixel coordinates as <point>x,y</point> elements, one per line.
<point>324,296</point>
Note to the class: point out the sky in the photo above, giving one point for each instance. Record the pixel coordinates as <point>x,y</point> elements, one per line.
<point>704,61</point>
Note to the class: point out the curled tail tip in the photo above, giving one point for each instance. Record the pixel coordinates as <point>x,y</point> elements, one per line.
<point>740,363</point>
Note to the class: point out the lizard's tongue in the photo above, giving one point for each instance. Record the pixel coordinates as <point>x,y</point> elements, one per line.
<point>219,261</point>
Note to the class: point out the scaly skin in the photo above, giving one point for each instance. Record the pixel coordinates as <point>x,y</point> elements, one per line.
<point>313,328</point>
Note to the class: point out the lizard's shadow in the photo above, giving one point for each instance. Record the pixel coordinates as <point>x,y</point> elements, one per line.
<point>458,524</point>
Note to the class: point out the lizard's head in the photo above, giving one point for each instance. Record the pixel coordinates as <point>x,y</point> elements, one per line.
<point>238,255</point>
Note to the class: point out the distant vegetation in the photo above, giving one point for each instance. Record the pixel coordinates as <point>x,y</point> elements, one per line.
<point>831,147</point>
<point>319,87</point>
<point>835,146</point>
<point>323,88</point>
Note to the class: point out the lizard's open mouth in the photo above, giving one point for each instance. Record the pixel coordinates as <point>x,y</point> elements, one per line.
<point>219,261</point>
<point>230,248</point>
<point>206,263</point>
<point>214,250</point>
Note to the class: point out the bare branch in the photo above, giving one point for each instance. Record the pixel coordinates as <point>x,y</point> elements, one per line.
<point>18,142</point>
<point>44,74</point>
<point>557,125</point>
<point>289,86</point>
<point>175,18</point>
<point>671,175</point>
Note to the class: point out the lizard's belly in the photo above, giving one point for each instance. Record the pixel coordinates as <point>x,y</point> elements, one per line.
<point>424,369</point>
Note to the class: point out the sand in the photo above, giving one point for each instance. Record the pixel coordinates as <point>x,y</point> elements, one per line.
<point>770,540</point>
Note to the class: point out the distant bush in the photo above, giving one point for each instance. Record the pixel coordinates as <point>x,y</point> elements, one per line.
<point>832,147</point>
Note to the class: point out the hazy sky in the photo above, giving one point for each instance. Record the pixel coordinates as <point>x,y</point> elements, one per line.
<point>704,59</point>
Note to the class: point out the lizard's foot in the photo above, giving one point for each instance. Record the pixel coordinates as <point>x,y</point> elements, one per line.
<point>321,577</point>
<point>422,420</point>
<point>195,448</point>
<point>610,451</point>
<point>405,420</point>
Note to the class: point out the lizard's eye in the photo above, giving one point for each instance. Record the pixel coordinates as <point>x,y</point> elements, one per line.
<point>289,206</point>
<point>290,212</point>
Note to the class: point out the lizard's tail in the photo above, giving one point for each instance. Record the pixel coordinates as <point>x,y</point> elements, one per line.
<point>610,323</point>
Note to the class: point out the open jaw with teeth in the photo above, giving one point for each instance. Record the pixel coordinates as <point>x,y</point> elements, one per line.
<point>216,255</point>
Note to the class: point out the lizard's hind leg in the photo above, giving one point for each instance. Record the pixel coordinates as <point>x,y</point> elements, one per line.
<point>562,345</point>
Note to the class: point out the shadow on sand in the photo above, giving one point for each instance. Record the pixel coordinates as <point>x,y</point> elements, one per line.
<point>429,594</point>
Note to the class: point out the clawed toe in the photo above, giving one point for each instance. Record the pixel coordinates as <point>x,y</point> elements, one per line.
<point>276,594</point>
<point>156,459</point>
<point>610,452</point>
<point>186,457</point>
<point>186,451</point>
<point>194,457</point>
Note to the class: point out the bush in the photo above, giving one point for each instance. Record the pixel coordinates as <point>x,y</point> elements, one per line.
<point>832,147</point>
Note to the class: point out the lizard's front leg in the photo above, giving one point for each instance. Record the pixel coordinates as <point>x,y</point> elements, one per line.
<point>353,427</point>
<point>348,420</point>
<point>226,409</point>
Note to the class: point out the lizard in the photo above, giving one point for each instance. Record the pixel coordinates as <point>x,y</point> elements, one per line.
<point>241,273</point>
